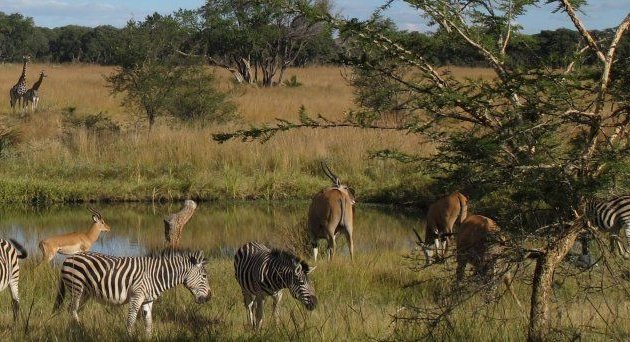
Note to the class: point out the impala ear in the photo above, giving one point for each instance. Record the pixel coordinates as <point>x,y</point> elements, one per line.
<point>95,218</point>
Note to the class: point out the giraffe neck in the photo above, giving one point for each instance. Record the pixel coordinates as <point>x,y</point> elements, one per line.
<point>23,76</point>
<point>38,83</point>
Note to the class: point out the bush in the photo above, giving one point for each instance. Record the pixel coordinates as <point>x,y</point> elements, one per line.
<point>94,123</point>
<point>9,137</point>
<point>292,82</point>
<point>195,98</point>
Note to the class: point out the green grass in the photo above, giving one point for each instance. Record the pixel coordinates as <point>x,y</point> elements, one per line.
<point>357,302</point>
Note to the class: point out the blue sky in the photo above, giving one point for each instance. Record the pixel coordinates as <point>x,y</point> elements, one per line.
<point>51,13</point>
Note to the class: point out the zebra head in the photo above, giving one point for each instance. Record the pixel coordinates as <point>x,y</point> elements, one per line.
<point>300,286</point>
<point>196,278</point>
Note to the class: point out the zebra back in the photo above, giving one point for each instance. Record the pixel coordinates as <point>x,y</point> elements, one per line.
<point>110,277</point>
<point>260,270</point>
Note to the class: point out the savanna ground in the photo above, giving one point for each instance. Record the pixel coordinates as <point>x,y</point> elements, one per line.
<point>60,154</point>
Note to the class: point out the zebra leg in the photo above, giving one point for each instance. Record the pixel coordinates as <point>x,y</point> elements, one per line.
<point>77,295</point>
<point>148,318</point>
<point>624,251</point>
<point>276,299</point>
<point>248,300</point>
<point>16,299</point>
<point>134,306</point>
<point>260,301</point>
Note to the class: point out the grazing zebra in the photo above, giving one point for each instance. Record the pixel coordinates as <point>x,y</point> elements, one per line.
<point>263,272</point>
<point>137,280</point>
<point>10,270</point>
<point>611,215</point>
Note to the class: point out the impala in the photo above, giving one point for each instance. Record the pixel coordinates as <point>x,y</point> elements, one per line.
<point>72,243</point>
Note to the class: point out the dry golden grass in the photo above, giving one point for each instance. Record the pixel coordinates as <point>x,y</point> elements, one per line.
<point>174,160</point>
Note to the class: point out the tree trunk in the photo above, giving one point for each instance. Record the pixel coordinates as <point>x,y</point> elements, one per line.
<point>543,281</point>
<point>174,224</point>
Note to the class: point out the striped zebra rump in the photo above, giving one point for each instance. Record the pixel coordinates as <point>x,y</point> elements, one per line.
<point>261,272</point>
<point>612,215</point>
<point>10,252</point>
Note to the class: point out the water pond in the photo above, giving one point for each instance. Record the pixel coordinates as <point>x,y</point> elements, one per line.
<point>219,228</point>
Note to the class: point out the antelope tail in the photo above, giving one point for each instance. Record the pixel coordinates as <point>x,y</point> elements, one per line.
<point>20,249</point>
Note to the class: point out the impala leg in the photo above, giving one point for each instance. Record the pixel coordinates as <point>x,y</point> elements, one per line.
<point>276,299</point>
<point>148,318</point>
<point>134,306</point>
<point>15,295</point>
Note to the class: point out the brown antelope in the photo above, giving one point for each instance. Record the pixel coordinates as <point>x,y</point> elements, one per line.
<point>480,243</point>
<point>331,212</point>
<point>72,243</point>
<point>442,216</point>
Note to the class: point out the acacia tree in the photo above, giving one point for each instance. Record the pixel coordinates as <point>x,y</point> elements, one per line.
<point>544,140</point>
<point>248,37</point>
<point>156,80</point>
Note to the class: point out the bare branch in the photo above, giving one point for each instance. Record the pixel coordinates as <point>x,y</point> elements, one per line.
<point>609,60</point>
<point>582,29</point>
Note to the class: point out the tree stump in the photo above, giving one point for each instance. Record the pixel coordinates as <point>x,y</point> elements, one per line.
<point>174,224</point>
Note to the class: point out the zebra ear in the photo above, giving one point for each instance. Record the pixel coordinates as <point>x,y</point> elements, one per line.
<point>298,268</point>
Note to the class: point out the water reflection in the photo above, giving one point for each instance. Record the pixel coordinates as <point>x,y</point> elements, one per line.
<point>215,227</point>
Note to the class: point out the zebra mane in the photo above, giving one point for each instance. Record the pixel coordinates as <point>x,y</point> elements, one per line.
<point>175,253</point>
<point>288,256</point>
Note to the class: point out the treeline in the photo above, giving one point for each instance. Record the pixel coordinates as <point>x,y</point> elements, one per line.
<point>229,32</point>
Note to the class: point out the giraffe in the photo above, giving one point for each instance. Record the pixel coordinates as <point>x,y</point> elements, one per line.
<point>19,89</point>
<point>32,95</point>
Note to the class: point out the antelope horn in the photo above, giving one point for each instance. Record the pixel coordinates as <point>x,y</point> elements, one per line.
<point>418,236</point>
<point>330,174</point>
<point>93,211</point>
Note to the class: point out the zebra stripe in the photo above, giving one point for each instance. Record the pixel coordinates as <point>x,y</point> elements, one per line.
<point>134,280</point>
<point>611,215</point>
<point>10,270</point>
<point>262,272</point>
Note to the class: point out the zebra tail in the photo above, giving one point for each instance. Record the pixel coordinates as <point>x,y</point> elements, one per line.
<point>20,249</point>
<point>60,295</point>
